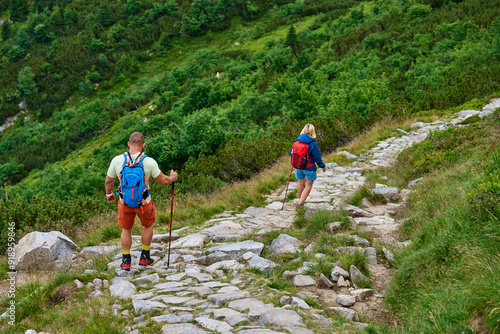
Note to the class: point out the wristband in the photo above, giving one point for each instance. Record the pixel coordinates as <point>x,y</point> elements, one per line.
<point>107,195</point>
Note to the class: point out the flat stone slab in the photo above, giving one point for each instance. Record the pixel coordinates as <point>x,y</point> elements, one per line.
<point>275,206</point>
<point>237,249</point>
<point>94,251</point>
<point>258,331</point>
<point>281,317</point>
<point>344,312</point>
<point>147,306</point>
<point>257,212</point>
<point>173,319</point>
<point>172,299</point>
<point>231,316</point>
<point>148,279</point>
<point>190,241</point>
<point>303,280</point>
<point>122,288</point>
<point>297,330</point>
<point>182,329</point>
<point>255,261</point>
<point>168,285</point>
<point>164,237</point>
<point>220,298</point>
<point>254,306</point>
<point>213,325</point>
<point>229,264</point>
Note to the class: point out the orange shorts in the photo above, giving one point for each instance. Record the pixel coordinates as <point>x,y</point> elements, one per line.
<point>126,215</point>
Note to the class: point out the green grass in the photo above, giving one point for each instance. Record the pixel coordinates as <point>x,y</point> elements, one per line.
<point>447,280</point>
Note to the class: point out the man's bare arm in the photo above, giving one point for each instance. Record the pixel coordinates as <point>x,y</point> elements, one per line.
<point>166,180</point>
<point>109,184</point>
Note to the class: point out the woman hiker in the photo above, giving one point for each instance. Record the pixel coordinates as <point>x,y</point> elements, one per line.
<point>305,150</point>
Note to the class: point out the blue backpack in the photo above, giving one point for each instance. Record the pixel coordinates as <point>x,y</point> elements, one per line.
<point>133,189</point>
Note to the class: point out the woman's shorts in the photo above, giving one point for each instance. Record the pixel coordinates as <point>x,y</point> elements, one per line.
<point>310,175</point>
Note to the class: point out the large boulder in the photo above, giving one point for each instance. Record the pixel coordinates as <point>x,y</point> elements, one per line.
<point>389,193</point>
<point>44,250</point>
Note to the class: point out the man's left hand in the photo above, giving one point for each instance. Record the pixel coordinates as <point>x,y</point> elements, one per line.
<point>111,198</point>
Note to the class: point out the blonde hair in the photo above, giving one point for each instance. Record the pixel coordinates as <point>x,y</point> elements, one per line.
<point>309,130</point>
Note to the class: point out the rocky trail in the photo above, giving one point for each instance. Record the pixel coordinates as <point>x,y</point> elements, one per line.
<point>210,288</point>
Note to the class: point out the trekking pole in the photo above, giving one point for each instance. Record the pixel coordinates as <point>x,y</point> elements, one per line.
<point>291,170</point>
<point>171,219</point>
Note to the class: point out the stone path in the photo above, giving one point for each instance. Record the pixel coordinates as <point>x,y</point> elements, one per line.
<point>208,287</point>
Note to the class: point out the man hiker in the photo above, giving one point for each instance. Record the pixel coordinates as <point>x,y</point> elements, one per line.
<point>135,170</point>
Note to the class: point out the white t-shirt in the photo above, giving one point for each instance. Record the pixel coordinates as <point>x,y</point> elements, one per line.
<point>151,168</point>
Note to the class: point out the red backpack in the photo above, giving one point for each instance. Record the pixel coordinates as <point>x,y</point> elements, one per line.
<point>300,155</point>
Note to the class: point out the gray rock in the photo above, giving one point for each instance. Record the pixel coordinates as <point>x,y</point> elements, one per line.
<point>355,211</point>
<point>229,264</point>
<point>190,241</point>
<point>365,202</point>
<point>169,299</point>
<point>289,274</point>
<point>95,294</point>
<point>173,319</point>
<point>164,237</point>
<point>255,261</point>
<point>310,247</point>
<point>148,279</point>
<point>302,280</point>
<point>182,329</point>
<point>220,298</point>
<point>361,294</point>
<point>337,271</point>
<point>257,212</point>
<point>281,317</point>
<point>345,300</point>
<point>297,330</point>
<point>79,284</point>
<point>388,254</point>
<point>309,213</point>
<point>414,182</point>
<point>212,258</point>
<point>344,312</point>
<point>300,303</point>
<point>467,113</point>
<point>231,316</point>
<point>347,155</point>
<point>175,277</point>
<point>371,255</point>
<point>237,249</point>
<point>332,227</point>
<point>357,276</point>
<point>342,282</point>
<point>324,281</point>
<point>94,251</point>
<point>258,331</point>
<point>389,193</point>
<point>97,282</point>
<point>121,288</point>
<point>285,244</point>
<point>285,300</point>
<point>44,250</point>
<point>254,306</point>
<point>417,125</point>
<point>213,325</point>
<point>30,331</point>
<point>147,306</point>
<point>323,323</point>
<point>143,296</point>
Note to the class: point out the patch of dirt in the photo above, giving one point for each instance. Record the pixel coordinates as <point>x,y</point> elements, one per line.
<point>24,277</point>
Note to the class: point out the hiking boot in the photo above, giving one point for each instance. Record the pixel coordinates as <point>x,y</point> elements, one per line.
<point>146,260</point>
<point>126,261</point>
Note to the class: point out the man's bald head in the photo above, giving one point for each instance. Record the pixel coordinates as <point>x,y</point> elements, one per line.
<point>136,139</point>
